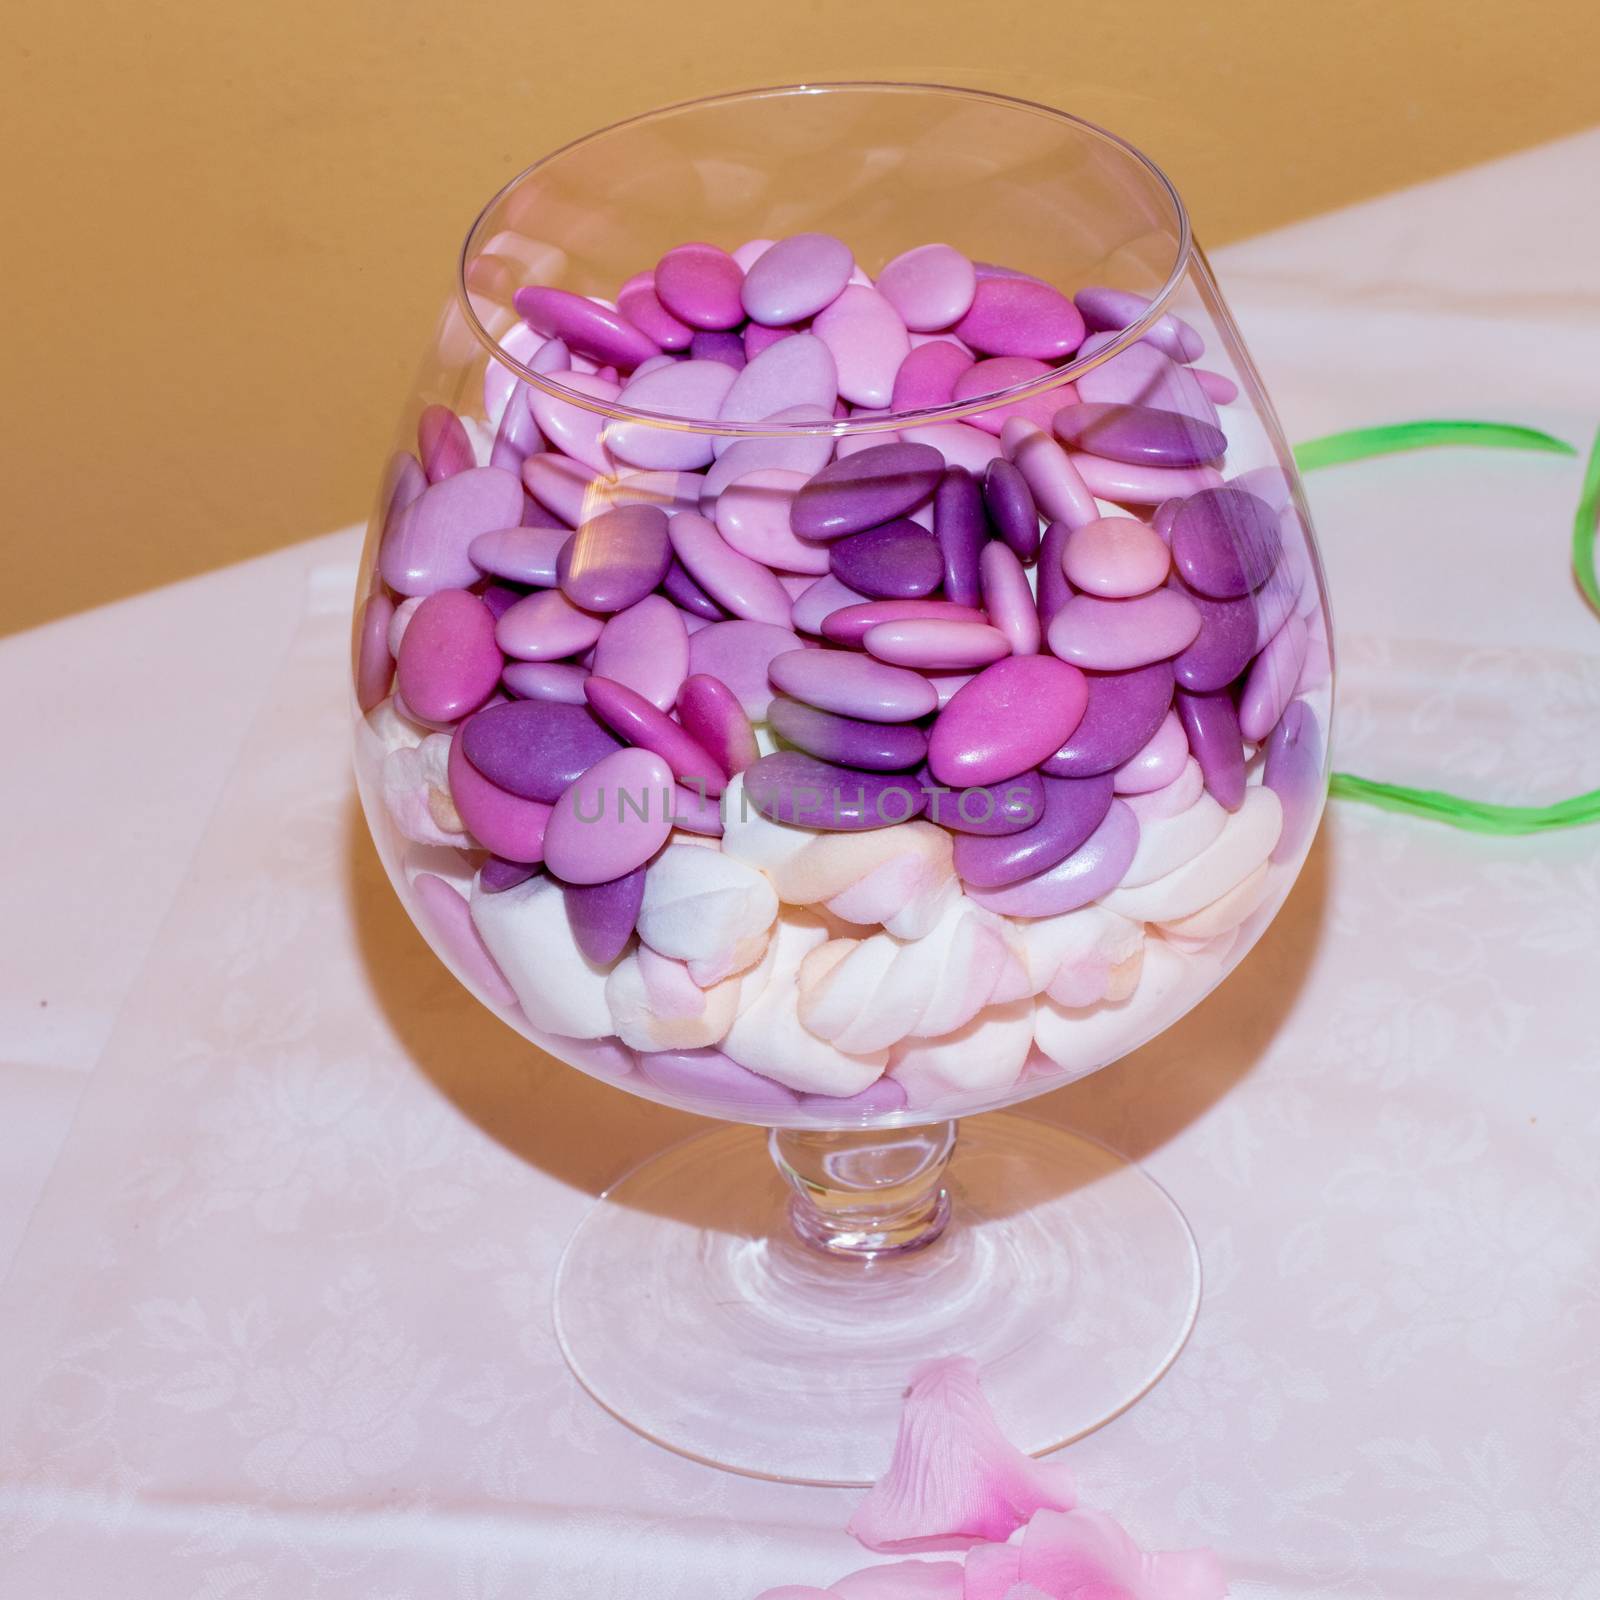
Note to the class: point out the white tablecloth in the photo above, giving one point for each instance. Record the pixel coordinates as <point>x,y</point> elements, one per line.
<point>281,1206</point>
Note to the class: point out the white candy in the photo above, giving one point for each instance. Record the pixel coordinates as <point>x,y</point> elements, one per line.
<point>527,933</point>
<point>707,909</point>
<point>656,1005</point>
<point>989,1053</point>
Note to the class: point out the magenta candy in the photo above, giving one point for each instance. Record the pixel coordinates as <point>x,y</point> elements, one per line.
<point>1073,809</point>
<point>646,647</point>
<point>500,821</point>
<point>870,487</point>
<point>374,664</point>
<point>442,444</point>
<point>1123,712</point>
<point>1115,309</point>
<point>848,741</point>
<point>822,599</point>
<point>602,915</point>
<point>739,653</point>
<point>1140,486</point>
<point>1010,505</point>
<point>896,560</point>
<point>449,663</point>
<point>1293,772</point>
<point>638,301</point>
<point>712,716</point>
<point>1271,683</point>
<point>557,681</point>
<point>732,580</point>
<point>959,526</point>
<point>496,875</point>
<point>1115,558</point>
<point>546,627</point>
<point>613,819</point>
<point>930,286</point>
<point>936,645</point>
<point>1053,589</point>
<point>687,595</point>
<point>1159,763</point>
<point>584,326</point>
<point>709,1077</point>
<point>1140,435</point>
<point>999,373</point>
<point>1094,869</point>
<point>445,911</point>
<point>852,685</point>
<point>851,623</point>
<point>700,285</point>
<point>1008,719</point>
<point>1021,317</point>
<point>725,347</point>
<point>796,278</point>
<point>615,559</point>
<point>1009,600</point>
<point>1114,635</point>
<point>631,717</point>
<point>535,748</point>
<point>986,809</point>
<point>425,547</point>
<point>1225,542</point>
<point>1223,647</point>
<point>1212,726</point>
<point>524,555</point>
<point>793,787</point>
<point>927,377</point>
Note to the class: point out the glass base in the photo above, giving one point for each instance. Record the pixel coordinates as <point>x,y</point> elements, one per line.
<point>688,1307</point>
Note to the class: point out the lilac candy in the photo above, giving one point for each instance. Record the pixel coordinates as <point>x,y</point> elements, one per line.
<point>1094,869</point>
<point>442,443</point>
<point>696,812</point>
<point>1008,719</point>
<point>496,875</point>
<point>1008,599</point>
<point>425,546</point>
<point>583,326</point>
<point>930,286</point>
<point>1272,680</point>
<point>1114,635</point>
<point>1073,809</point>
<point>1021,317</point>
<point>1159,763</point>
<point>687,595</point>
<point>613,819</point>
<point>1142,375</point>
<point>739,653</point>
<point>575,430</point>
<point>958,525</point>
<point>546,627</point>
<point>1057,486</point>
<point>936,645</point>
<point>797,371</point>
<point>557,681</point>
<point>709,1077</point>
<point>1223,647</point>
<point>602,915</point>
<point>1140,435</point>
<point>646,647</point>
<point>726,348</point>
<point>732,580</point>
<point>804,453</point>
<point>712,716</point>
<point>870,487</point>
<point>374,664</point>
<point>524,555</point>
<point>796,278</point>
<point>615,559</point>
<point>1212,726</point>
<point>848,741</point>
<point>535,748</point>
<point>631,717</point>
<point>1225,542</point>
<point>449,662</point>
<point>1140,486</point>
<point>886,1094</point>
<point>987,809</point>
<point>1124,710</point>
<point>700,285</point>
<point>897,560</point>
<point>451,922</point>
<point>1293,772</point>
<point>958,443</point>
<point>853,685</point>
<point>638,301</point>
<point>868,341</point>
<point>518,435</point>
<point>502,822</point>
<point>825,598</point>
<point>694,390</point>
<point>927,377</point>
<point>1115,309</point>
<point>753,516</point>
<point>850,624</point>
<point>793,787</point>
<point>1009,502</point>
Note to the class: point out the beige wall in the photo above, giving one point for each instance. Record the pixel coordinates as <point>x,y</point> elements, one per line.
<point>230,222</point>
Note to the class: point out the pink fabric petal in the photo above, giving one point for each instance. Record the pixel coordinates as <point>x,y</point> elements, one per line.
<point>902,1580</point>
<point>795,1591</point>
<point>992,1572</point>
<point>1086,1555</point>
<point>954,1477</point>
<point>1026,1591</point>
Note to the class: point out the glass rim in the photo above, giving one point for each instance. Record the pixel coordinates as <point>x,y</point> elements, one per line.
<point>886,422</point>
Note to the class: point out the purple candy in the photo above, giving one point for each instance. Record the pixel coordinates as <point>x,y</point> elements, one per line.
<point>545,680</point>
<point>1094,869</point>
<point>886,1094</point>
<point>722,345</point>
<point>1009,502</point>
<point>1124,711</point>
<point>1223,647</point>
<point>1294,773</point>
<point>1140,435</point>
<point>851,623</point>
<point>1272,681</point>
<point>523,555</point>
<point>1116,309</point>
<point>1054,591</point>
<point>1225,542</point>
<point>898,560</point>
<point>616,558</point>
<point>715,719</point>
<point>958,525</point>
<point>602,915</point>
<point>739,653</point>
<point>1021,317</point>
<point>1212,725</point>
<point>425,545</point>
<point>500,597</point>
<point>630,716</point>
<point>497,874</point>
<point>864,489</point>
<point>847,741</point>
<point>796,788</point>
<point>583,326</point>
<point>687,595</point>
<point>1073,809</point>
<point>535,748</point>
<point>987,810</point>
<point>710,1077</point>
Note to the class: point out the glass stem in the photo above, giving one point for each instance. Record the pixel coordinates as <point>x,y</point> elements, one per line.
<point>867,1193</point>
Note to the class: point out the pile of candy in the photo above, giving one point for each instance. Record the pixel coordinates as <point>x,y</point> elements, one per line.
<point>814,775</point>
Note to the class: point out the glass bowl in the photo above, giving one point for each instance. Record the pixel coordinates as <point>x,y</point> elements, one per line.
<point>845,685</point>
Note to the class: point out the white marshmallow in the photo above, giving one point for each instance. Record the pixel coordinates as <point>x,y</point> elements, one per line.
<point>1071,956</point>
<point>1165,844</point>
<point>988,1053</point>
<point>708,909</point>
<point>416,793</point>
<point>656,1005</point>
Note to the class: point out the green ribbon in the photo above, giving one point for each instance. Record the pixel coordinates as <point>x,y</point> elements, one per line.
<point>1437,805</point>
